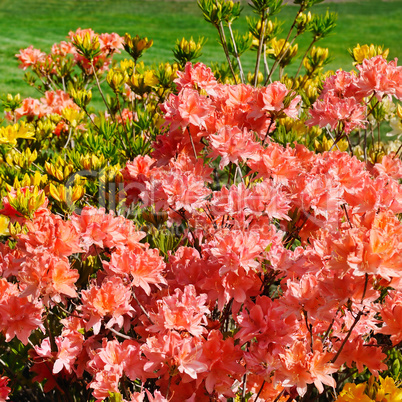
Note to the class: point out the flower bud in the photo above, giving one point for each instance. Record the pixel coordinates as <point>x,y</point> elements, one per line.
<point>136,46</point>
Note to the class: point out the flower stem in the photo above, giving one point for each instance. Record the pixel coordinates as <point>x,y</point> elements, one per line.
<point>260,46</point>
<point>304,56</point>
<point>236,53</point>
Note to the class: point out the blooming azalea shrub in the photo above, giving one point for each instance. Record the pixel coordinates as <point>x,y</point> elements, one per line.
<point>202,238</point>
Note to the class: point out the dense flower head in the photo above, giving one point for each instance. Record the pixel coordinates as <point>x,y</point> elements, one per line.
<point>31,107</point>
<point>390,313</point>
<point>223,359</point>
<point>341,104</point>
<point>111,43</point>
<point>332,110</point>
<point>183,311</point>
<point>48,276</point>
<point>275,99</point>
<point>189,107</point>
<point>379,77</point>
<point>233,145</point>
<point>141,267</point>
<point>53,103</point>
<point>110,300</point>
<point>101,229</point>
<point>63,48</point>
<point>30,57</point>
<point>198,77</point>
<point>19,315</point>
<point>342,84</point>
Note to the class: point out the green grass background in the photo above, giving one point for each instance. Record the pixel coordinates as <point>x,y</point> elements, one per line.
<point>44,22</point>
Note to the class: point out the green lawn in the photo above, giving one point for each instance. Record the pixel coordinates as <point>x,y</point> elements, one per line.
<point>44,22</point>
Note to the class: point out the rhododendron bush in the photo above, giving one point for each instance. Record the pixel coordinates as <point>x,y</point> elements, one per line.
<point>204,237</point>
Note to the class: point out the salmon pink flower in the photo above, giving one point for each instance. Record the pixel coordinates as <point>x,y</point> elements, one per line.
<point>104,383</point>
<point>269,199</point>
<point>223,360</point>
<point>197,77</point>
<point>110,357</point>
<point>111,43</point>
<point>184,311</point>
<point>19,316</point>
<point>319,193</point>
<point>184,267</point>
<point>56,101</point>
<point>63,49</point>
<point>30,57</point>
<point>174,353</point>
<point>356,352</point>
<point>390,165</point>
<point>156,397</point>
<point>321,367</point>
<point>295,365</point>
<point>184,190</point>
<point>110,300</point>
<point>101,229</point>
<point>135,175</point>
<point>240,97</point>
<point>48,276</point>
<point>194,109</point>
<point>379,77</point>
<point>42,357</point>
<point>300,367</point>
<point>272,100</point>
<point>142,268</point>
<point>276,162</point>
<point>342,85</point>
<point>82,33</point>
<point>189,107</point>
<point>391,315</point>
<point>267,321</point>
<point>31,107</point>
<point>49,233</point>
<point>236,249</point>
<point>230,201</point>
<point>233,145</point>
<point>222,288</point>
<point>331,110</point>
<point>68,349</point>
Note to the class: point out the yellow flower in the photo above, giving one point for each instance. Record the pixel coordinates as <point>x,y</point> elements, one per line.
<point>326,145</point>
<point>399,111</point>
<point>136,46</point>
<point>10,134</point>
<point>354,393</point>
<point>26,201</point>
<point>359,53</point>
<point>388,391</point>
<point>22,159</point>
<point>61,170</point>
<point>87,46</point>
<point>316,60</point>
<point>371,391</point>
<point>142,83</point>
<point>275,51</point>
<point>82,97</point>
<point>27,181</point>
<point>72,116</point>
<point>116,79</point>
<point>4,221</point>
<point>66,195</point>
